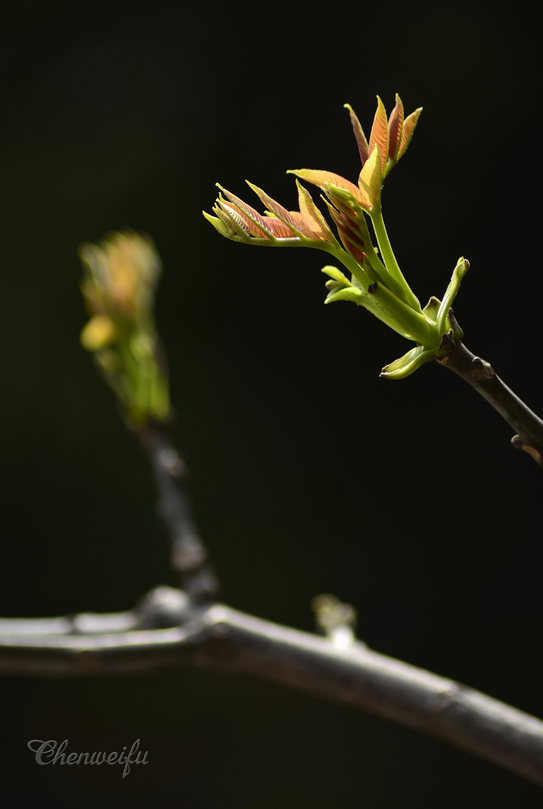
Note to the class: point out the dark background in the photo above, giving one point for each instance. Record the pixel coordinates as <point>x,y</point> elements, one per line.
<point>310,473</point>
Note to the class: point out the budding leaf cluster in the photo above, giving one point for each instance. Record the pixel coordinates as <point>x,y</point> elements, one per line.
<point>376,281</point>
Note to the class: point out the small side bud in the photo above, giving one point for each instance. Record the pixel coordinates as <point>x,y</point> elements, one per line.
<point>341,289</point>
<point>409,363</point>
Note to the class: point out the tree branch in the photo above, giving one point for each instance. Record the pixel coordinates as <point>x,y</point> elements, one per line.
<point>167,629</point>
<point>189,555</point>
<point>175,628</point>
<point>482,376</point>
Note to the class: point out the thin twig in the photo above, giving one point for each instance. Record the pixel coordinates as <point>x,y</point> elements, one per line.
<point>218,636</point>
<point>482,376</point>
<point>189,555</point>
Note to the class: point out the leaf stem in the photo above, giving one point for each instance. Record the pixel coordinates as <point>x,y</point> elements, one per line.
<point>389,258</point>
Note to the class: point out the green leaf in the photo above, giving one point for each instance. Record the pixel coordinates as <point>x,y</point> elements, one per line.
<point>432,307</point>
<point>462,266</point>
<point>409,363</point>
<point>217,224</point>
<point>345,294</point>
<point>336,274</point>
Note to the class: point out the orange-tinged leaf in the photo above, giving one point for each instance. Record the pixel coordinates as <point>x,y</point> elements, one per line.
<point>370,177</point>
<point>254,218</point>
<point>280,212</point>
<point>304,226</point>
<point>229,209</point>
<point>379,134</point>
<point>318,177</point>
<point>361,141</point>
<point>250,216</point>
<point>355,252</point>
<point>408,128</point>
<point>346,224</point>
<point>310,215</point>
<point>395,126</point>
<point>343,200</point>
<point>345,205</point>
<point>350,242</point>
<point>236,219</point>
<point>353,235</point>
<point>279,229</point>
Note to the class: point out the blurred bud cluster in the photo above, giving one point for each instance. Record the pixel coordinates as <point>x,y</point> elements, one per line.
<point>120,277</point>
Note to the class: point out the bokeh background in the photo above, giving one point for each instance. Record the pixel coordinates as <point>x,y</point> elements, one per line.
<point>310,474</point>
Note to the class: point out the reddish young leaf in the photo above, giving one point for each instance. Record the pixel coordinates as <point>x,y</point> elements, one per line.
<point>351,248</point>
<point>311,217</point>
<point>350,226</point>
<point>344,201</point>
<point>254,218</point>
<point>363,147</point>
<point>279,229</point>
<point>349,239</point>
<point>379,134</point>
<point>280,212</point>
<point>408,128</point>
<point>306,227</point>
<point>395,126</point>
<point>317,177</point>
<point>230,209</point>
<point>235,218</point>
